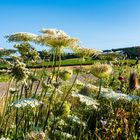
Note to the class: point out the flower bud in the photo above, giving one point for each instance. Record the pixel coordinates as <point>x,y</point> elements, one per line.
<point>66,75</point>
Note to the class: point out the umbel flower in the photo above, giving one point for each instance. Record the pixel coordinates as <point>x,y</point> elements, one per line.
<point>84,52</point>
<point>2,138</point>
<point>21,37</point>
<point>19,71</point>
<point>88,101</point>
<point>55,38</point>
<point>101,70</point>
<point>26,102</point>
<point>27,52</point>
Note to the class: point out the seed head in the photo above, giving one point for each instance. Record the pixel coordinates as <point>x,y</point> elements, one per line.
<point>101,70</point>
<point>133,81</point>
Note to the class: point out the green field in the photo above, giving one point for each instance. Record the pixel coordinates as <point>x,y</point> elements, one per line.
<point>69,62</point>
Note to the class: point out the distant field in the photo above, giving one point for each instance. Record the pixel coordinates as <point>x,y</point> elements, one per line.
<point>68,62</point>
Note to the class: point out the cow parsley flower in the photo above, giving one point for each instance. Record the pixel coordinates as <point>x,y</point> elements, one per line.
<point>26,102</point>
<point>84,52</point>
<point>79,83</point>
<point>87,100</point>
<point>2,138</point>
<point>64,135</point>
<point>75,119</point>
<point>119,96</point>
<point>21,36</point>
<point>55,38</point>
<point>19,71</point>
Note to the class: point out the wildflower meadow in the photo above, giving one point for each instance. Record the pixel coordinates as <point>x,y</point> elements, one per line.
<point>100,101</point>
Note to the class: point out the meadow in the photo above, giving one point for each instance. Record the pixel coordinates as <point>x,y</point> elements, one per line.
<point>92,100</point>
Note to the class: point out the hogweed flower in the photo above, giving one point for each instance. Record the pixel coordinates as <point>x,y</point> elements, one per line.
<point>86,100</point>
<point>19,71</point>
<point>21,37</point>
<point>53,32</point>
<point>27,52</point>
<point>116,96</point>
<point>63,135</point>
<point>23,48</point>
<point>101,70</point>
<point>133,81</point>
<point>26,102</point>
<point>55,38</point>
<point>75,120</point>
<point>84,52</point>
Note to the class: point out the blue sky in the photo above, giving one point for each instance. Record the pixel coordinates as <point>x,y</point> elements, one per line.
<point>99,24</point>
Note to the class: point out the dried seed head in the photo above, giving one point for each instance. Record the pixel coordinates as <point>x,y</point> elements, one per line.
<point>133,81</point>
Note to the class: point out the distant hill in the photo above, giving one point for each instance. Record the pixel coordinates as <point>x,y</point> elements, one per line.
<point>131,52</point>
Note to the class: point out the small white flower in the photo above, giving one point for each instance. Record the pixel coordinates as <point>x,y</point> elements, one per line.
<point>26,102</point>
<point>87,100</point>
<point>103,122</point>
<point>21,36</point>
<point>64,135</point>
<point>76,120</point>
<point>2,138</point>
<point>78,82</point>
<point>119,96</point>
<point>54,32</point>
<point>55,38</point>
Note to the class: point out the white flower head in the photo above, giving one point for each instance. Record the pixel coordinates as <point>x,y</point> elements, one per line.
<point>21,36</point>
<point>54,32</point>
<point>64,135</point>
<point>75,119</point>
<point>119,96</point>
<point>87,100</point>
<point>26,102</point>
<point>55,38</point>
<point>2,138</point>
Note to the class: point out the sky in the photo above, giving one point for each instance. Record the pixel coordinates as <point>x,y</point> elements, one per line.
<point>99,24</point>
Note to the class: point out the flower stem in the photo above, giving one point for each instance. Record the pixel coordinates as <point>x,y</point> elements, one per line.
<point>100,86</point>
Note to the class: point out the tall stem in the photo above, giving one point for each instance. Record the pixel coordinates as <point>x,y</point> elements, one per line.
<point>100,86</point>
<point>53,125</point>
<point>6,103</point>
<point>58,66</point>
